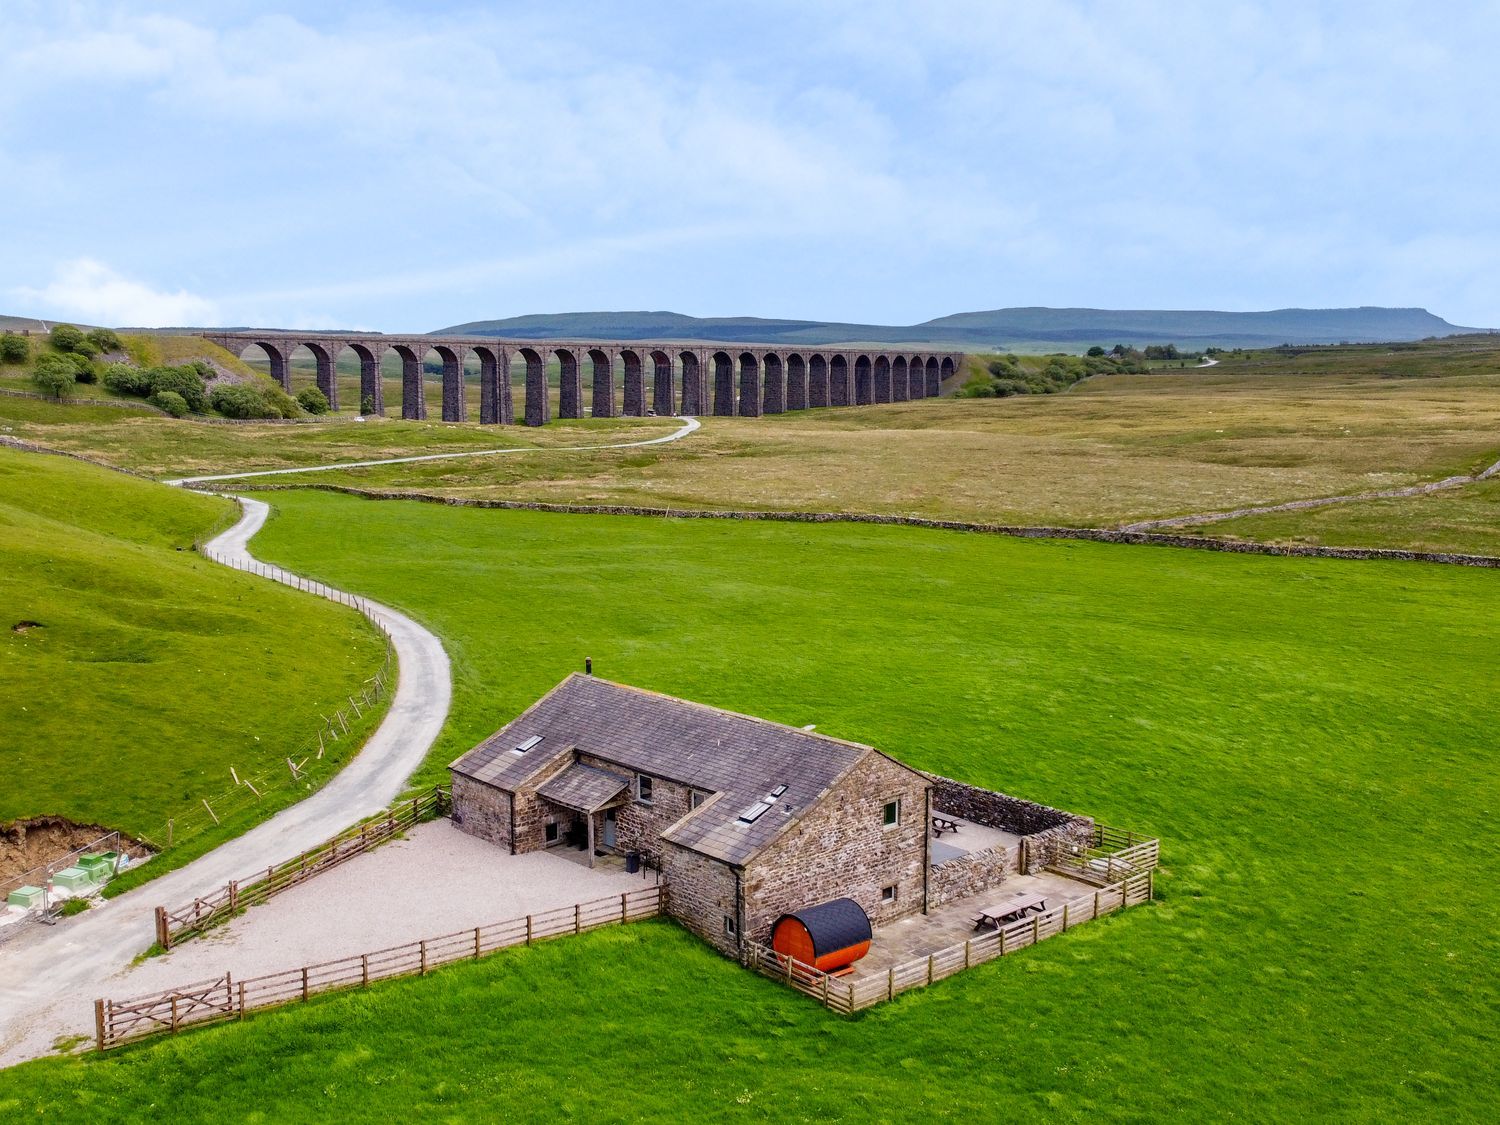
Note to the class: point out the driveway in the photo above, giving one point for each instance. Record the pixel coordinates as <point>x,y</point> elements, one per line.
<point>46,974</point>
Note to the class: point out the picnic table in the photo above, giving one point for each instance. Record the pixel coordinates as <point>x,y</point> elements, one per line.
<point>1009,910</point>
<point>941,824</point>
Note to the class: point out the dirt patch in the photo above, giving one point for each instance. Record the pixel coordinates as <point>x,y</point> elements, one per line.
<point>25,626</point>
<point>42,840</point>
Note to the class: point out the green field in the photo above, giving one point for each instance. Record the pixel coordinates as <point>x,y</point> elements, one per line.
<point>150,671</point>
<point>1313,741</point>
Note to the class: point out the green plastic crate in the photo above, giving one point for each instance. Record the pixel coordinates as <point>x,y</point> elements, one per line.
<point>25,896</point>
<point>73,878</point>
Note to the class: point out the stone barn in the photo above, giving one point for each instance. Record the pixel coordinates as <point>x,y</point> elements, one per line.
<point>745,819</point>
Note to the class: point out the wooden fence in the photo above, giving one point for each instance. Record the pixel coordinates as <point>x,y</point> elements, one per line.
<point>1116,854</point>
<point>195,917</point>
<point>224,998</point>
<point>850,994</point>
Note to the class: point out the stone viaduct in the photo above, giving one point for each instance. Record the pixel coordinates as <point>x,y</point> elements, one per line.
<point>694,379</point>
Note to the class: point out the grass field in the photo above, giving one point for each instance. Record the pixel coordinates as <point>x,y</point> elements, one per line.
<point>152,671</point>
<point>1312,740</point>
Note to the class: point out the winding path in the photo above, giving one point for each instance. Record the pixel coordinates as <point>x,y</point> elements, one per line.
<point>62,968</point>
<point>688,426</point>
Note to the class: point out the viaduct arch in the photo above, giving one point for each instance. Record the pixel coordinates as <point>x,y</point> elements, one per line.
<point>723,380</point>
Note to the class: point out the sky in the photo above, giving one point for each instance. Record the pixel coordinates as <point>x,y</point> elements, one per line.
<point>408,166</point>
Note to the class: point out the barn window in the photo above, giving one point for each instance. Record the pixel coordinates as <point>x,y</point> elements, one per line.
<point>890,816</point>
<point>551,832</point>
<point>643,788</point>
<point>729,927</point>
<point>696,798</point>
<point>888,894</point>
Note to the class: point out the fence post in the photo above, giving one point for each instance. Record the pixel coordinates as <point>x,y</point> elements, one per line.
<point>966,954</point>
<point>99,1023</point>
<point>1036,928</point>
<point>577,918</point>
<point>163,930</point>
<point>304,982</point>
<point>890,983</point>
<point>234,895</point>
<point>929,967</point>
<point>624,914</point>
<point>1065,917</point>
<point>476,943</point>
<point>825,990</point>
<point>174,1014</point>
<point>1150,883</point>
<point>364,969</point>
<point>1002,943</point>
<point>422,953</point>
<point>1096,904</point>
<point>242,999</point>
<point>528,929</point>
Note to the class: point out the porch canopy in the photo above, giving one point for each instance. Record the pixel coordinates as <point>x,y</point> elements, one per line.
<point>584,789</point>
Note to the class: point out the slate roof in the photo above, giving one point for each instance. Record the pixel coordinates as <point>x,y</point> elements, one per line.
<point>584,787</point>
<point>740,758</point>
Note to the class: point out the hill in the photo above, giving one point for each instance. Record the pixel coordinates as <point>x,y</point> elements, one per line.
<point>1037,329</point>
<point>133,672</point>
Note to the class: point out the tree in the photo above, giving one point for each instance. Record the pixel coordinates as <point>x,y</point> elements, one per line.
<point>105,340</point>
<point>124,379</point>
<point>66,337</point>
<point>14,349</point>
<point>240,400</point>
<point>312,400</point>
<point>53,375</point>
<point>367,405</point>
<point>83,367</point>
<point>1118,349</point>
<point>185,380</point>
<point>1096,351</point>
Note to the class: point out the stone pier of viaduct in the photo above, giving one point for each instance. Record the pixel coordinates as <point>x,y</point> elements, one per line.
<point>658,378</point>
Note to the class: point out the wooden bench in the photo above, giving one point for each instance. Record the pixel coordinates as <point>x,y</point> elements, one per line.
<point>1009,910</point>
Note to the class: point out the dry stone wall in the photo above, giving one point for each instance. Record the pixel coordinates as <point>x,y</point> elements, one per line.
<point>971,873</point>
<point>1046,832</point>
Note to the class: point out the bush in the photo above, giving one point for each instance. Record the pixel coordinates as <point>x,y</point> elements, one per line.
<point>14,349</point>
<point>66,337</point>
<point>185,381</point>
<point>240,400</point>
<point>124,379</point>
<point>367,405</point>
<point>282,404</point>
<point>83,367</point>
<point>85,348</point>
<point>53,375</point>
<point>105,340</point>
<point>73,907</point>
<point>1096,350</point>
<point>312,400</point>
<point>170,401</point>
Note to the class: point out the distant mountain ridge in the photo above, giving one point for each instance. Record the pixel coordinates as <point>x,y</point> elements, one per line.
<point>998,328</point>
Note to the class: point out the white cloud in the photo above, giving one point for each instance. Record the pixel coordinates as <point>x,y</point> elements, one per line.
<point>90,291</point>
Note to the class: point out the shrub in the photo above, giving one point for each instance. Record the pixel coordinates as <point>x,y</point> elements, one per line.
<point>14,349</point>
<point>1007,387</point>
<point>282,404</point>
<point>66,337</point>
<point>105,340</point>
<point>73,907</point>
<point>83,367</point>
<point>86,348</point>
<point>367,404</point>
<point>170,401</point>
<point>1096,350</point>
<point>53,375</point>
<point>124,379</point>
<point>240,400</point>
<point>312,400</point>
<point>185,381</point>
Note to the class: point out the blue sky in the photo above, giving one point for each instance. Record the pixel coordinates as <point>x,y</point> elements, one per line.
<point>408,166</point>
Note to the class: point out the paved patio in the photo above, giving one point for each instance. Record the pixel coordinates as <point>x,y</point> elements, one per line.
<point>969,837</point>
<point>916,937</point>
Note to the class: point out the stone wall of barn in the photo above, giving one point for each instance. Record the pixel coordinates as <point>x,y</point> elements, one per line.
<point>1047,832</point>
<point>700,894</point>
<point>481,810</point>
<point>841,849</point>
